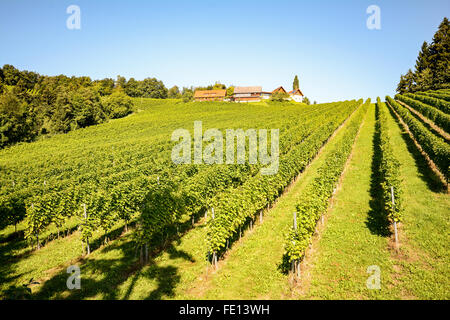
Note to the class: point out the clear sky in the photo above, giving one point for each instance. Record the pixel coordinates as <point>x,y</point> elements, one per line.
<point>246,42</point>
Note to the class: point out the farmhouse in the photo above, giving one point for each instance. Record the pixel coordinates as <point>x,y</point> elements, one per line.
<point>247,94</point>
<point>296,95</point>
<point>209,95</point>
<point>266,95</point>
<point>278,90</point>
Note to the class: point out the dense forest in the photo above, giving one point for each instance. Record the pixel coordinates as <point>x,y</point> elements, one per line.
<point>33,105</point>
<point>432,69</point>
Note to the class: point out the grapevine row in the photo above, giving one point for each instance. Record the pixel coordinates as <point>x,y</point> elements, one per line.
<point>314,200</point>
<point>439,97</point>
<point>438,117</point>
<point>234,208</point>
<point>389,168</point>
<point>436,148</point>
<point>104,206</point>
<point>11,205</point>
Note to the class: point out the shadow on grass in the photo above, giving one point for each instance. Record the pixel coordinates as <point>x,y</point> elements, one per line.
<point>284,267</point>
<point>8,260</point>
<point>101,278</point>
<point>17,235</point>
<point>377,221</point>
<point>425,172</point>
<point>426,125</point>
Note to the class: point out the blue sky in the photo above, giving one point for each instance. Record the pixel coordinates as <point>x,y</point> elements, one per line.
<point>243,42</point>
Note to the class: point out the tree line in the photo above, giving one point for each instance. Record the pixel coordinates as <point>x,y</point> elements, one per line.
<point>32,105</point>
<point>432,69</point>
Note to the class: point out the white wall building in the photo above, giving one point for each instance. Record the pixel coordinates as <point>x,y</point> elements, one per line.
<point>296,95</point>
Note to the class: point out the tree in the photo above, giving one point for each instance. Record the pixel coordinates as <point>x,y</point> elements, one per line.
<point>14,124</point>
<point>230,91</point>
<point>422,61</point>
<point>118,105</point>
<point>432,68</point>
<point>87,108</point>
<point>174,93</point>
<point>104,87</point>
<point>424,80</point>
<point>409,81</point>
<point>186,89</point>
<point>152,88</point>
<point>306,100</point>
<point>279,96</point>
<point>296,84</point>
<point>188,95</point>
<point>121,82</point>
<point>64,113</point>
<point>219,86</point>
<point>10,75</point>
<point>401,87</point>
<point>133,88</point>
<point>439,54</point>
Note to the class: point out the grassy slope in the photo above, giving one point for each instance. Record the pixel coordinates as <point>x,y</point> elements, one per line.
<point>352,241</point>
<point>251,269</point>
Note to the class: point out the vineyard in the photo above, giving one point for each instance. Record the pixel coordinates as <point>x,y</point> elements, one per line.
<point>434,145</point>
<point>83,195</point>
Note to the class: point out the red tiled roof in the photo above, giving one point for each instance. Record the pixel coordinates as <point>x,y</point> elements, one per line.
<point>279,89</point>
<point>296,91</point>
<point>256,89</point>
<point>210,93</point>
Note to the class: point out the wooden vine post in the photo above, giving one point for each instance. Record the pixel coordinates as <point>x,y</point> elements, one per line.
<point>88,249</point>
<point>38,246</point>
<point>260,217</point>
<point>395,222</point>
<point>15,221</point>
<point>214,253</point>
<point>146,253</point>
<point>296,263</point>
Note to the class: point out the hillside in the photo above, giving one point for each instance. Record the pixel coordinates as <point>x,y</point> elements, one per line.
<point>149,231</point>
